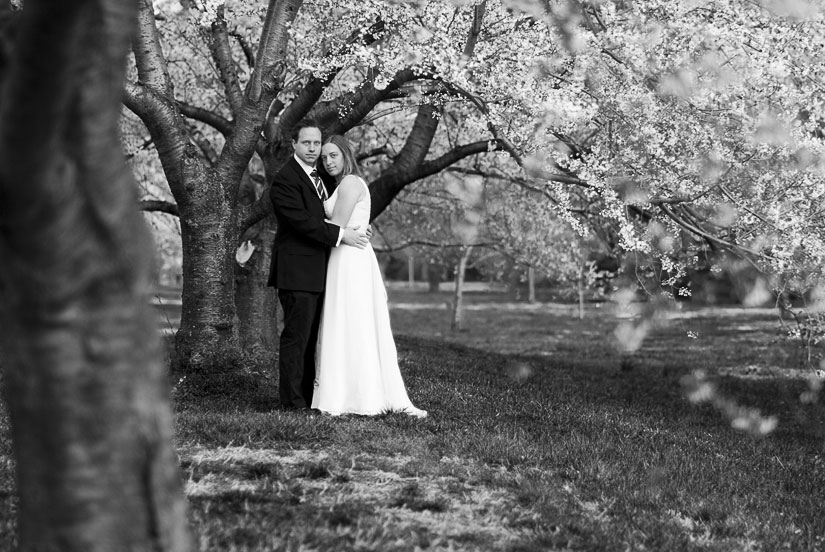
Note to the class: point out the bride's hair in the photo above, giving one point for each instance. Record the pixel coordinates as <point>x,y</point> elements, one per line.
<point>350,164</point>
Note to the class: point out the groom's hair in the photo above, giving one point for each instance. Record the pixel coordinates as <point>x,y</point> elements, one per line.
<point>350,162</point>
<point>304,123</point>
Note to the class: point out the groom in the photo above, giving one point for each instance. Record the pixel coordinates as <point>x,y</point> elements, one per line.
<point>299,261</point>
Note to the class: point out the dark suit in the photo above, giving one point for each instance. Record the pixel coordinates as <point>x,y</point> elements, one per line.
<point>299,267</point>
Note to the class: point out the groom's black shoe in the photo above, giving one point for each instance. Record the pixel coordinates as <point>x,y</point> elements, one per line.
<point>293,406</point>
<point>303,411</point>
<point>298,409</point>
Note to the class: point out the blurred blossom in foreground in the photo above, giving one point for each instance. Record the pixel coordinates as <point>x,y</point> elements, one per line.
<point>630,335</point>
<point>639,317</point>
<point>519,371</point>
<point>811,395</point>
<point>699,390</point>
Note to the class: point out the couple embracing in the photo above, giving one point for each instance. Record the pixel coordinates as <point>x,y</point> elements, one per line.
<point>337,353</point>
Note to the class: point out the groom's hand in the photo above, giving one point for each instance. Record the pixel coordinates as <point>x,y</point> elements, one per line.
<point>369,231</point>
<point>354,238</point>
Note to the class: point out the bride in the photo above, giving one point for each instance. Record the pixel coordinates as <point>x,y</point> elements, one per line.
<point>357,363</point>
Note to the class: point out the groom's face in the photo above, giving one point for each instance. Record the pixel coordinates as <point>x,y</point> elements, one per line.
<point>308,145</point>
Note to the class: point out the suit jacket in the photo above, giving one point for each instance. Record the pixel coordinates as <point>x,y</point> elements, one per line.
<point>303,240</point>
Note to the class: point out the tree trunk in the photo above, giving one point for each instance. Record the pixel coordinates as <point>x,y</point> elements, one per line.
<point>457,322</point>
<point>411,272</point>
<point>580,282</point>
<point>255,302</point>
<point>85,384</point>
<point>207,340</point>
<point>434,278</point>
<point>531,284</point>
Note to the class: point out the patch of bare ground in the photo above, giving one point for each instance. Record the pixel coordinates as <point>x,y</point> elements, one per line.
<point>453,510</point>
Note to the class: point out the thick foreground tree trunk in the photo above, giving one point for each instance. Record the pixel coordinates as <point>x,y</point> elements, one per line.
<point>85,383</point>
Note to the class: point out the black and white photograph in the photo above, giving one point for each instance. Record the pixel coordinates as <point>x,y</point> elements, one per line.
<point>412,275</point>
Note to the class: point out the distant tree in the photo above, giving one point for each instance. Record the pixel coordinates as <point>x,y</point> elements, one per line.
<point>84,377</point>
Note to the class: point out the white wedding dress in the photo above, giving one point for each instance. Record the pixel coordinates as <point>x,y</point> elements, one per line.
<point>356,360</point>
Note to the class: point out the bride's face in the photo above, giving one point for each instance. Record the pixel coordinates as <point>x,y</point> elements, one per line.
<point>332,159</point>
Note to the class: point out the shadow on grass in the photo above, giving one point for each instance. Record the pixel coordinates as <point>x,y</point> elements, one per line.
<point>629,433</point>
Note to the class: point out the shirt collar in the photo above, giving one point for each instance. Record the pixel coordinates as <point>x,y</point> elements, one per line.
<point>307,168</point>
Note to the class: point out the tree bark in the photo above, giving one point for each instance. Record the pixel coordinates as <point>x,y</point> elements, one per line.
<point>257,303</point>
<point>85,384</point>
<point>207,340</point>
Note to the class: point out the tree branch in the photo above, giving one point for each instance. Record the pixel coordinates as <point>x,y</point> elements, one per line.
<point>256,212</point>
<point>375,152</point>
<point>263,87</point>
<point>475,29</point>
<point>207,117</point>
<point>454,155</point>
<point>309,95</point>
<point>159,206</point>
<point>425,243</point>
<point>481,105</point>
<point>152,100</point>
<point>419,139</point>
<point>222,54</point>
<point>153,72</point>
<point>387,186</point>
<point>702,233</point>
<point>248,52</point>
<point>363,101</point>
<point>204,145</point>
<point>271,45</point>
<point>163,122</point>
<point>297,109</point>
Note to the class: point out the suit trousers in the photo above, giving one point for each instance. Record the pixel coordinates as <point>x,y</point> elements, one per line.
<point>296,364</point>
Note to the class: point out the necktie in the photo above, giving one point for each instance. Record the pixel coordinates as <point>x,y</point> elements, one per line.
<point>319,186</point>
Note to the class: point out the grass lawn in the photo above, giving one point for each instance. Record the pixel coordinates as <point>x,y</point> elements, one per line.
<point>542,435</point>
